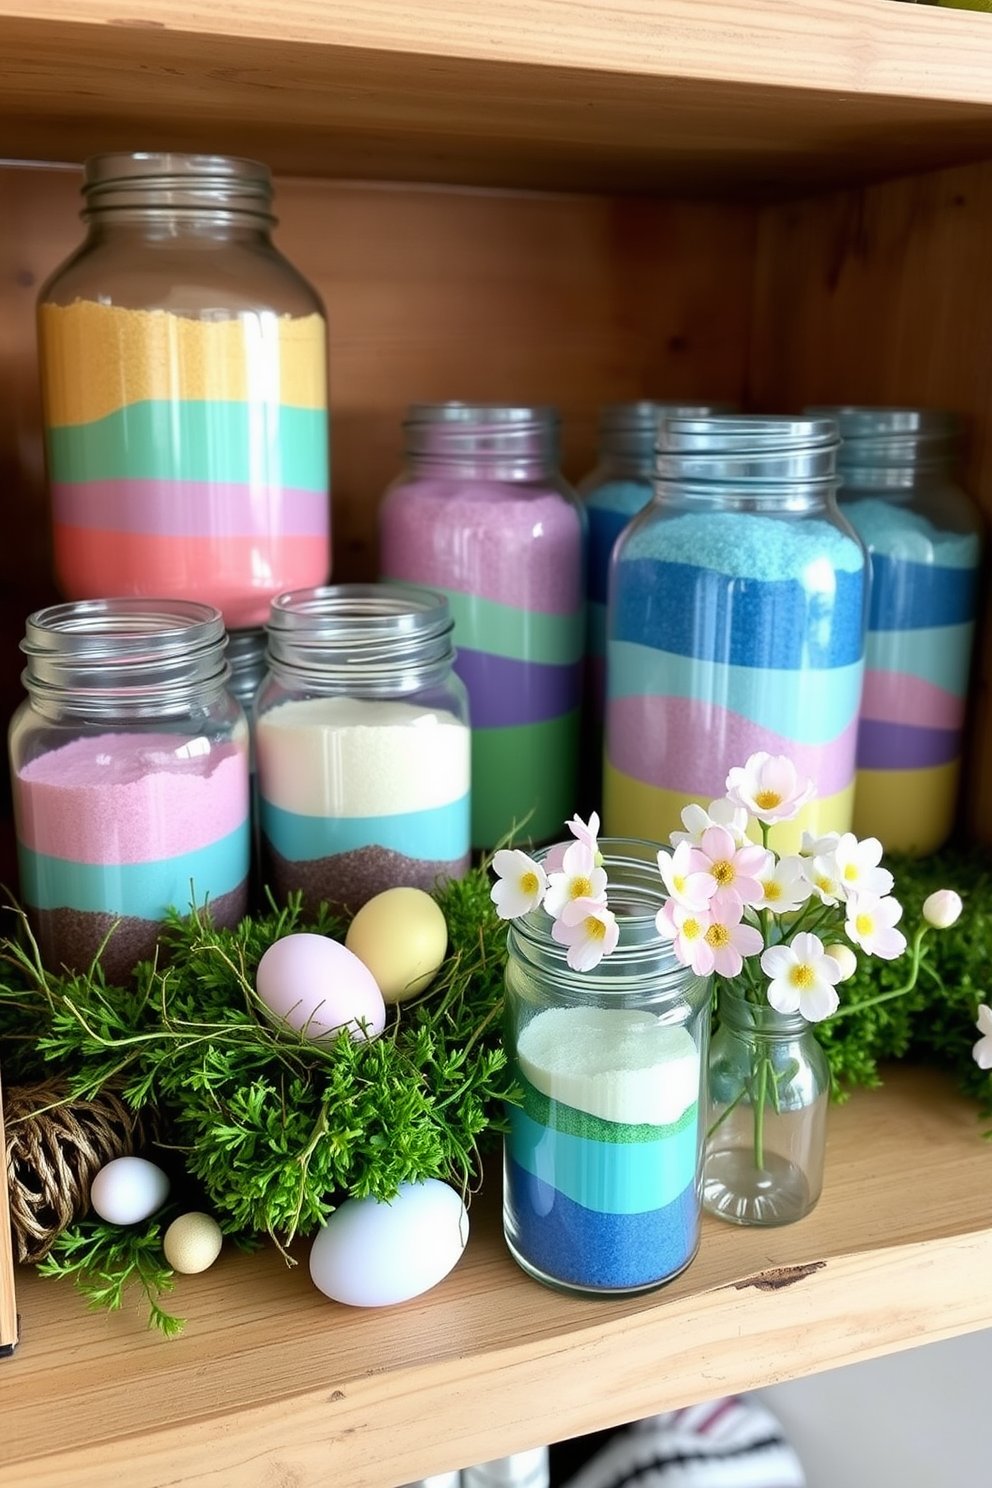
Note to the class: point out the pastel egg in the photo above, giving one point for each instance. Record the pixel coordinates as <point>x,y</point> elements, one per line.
<point>192,1242</point>
<point>127,1190</point>
<point>401,936</point>
<point>373,1254</point>
<point>315,986</point>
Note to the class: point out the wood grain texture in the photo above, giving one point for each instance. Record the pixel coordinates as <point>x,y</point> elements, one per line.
<point>637,95</point>
<point>273,1383</point>
<point>882,295</point>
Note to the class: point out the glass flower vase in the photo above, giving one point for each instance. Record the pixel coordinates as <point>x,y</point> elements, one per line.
<point>769,1088</point>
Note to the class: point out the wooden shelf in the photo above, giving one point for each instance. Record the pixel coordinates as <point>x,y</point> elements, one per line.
<point>272,1382</point>
<point>691,95</point>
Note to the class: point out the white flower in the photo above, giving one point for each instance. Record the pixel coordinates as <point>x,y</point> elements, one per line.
<point>587,833</point>
<point>818,847</point>
<point>686,928</point>
<point>845,958</point>
<point>785,885</point>
<point>823,876</point>
<point>590,931</point>
<point>521,883</point>
<point>870,924</point>
<point>722,813</point>
<point>580,878</point>
<point>803,978</point>
<point>857,866</point>
<point>942,908</point>
<point>769,787</point>
<point>982,1049</point>
<point>686,876</point>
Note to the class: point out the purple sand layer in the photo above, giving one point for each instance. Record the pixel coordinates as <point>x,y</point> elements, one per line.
<point>579,1247</point>
<point>345,881</point>
<point>71,938</point>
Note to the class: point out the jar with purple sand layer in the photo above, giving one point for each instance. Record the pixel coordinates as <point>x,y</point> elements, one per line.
<point>129,762</point>
<point>735,625</point>
<point>362,745</point>
<point>602,1159</point>
<point>183,368</point>
<point>924,539</point>
<point>483,516</point>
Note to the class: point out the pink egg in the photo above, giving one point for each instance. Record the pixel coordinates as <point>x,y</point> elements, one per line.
<point>316,987</point>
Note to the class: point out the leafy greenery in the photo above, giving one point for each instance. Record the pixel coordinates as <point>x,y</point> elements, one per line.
<point>104,1260</point>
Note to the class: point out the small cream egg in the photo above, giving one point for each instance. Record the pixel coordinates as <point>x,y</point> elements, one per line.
<point>372,1254</point>
<point>192,1242</point>
<point>127,1190</point>
<point>402,937</point>
<point>316,986</point>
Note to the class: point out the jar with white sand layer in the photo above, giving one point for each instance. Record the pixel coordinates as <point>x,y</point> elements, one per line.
<point>362,745</point>
<point>602,1160</point>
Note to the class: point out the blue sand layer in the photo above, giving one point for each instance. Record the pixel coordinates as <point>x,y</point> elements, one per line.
<point>608,1177</point>
<point>603,1252</point>
<point>919,596</point>
<point>436,834</point>
<point>941,656</point>
<point>605,525</point>
<point>812,709</point>
<point>503,692</point>
<point>142,890</point>
<point>740,621</point>
<point>905,746</point>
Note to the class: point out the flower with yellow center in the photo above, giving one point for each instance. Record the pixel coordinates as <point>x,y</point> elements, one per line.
<point>803,977</point>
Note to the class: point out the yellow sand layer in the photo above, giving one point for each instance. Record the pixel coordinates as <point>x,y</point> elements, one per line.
<point>909,811</point>
<point>96,359</point>
<point>633,809</point>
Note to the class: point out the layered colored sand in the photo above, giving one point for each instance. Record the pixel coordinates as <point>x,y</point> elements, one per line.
<point>186,457</point>
<point>601,1158</point>
<point>731,633</point>
<point>608,508</point>
<point>921,625</point>
<point>510,561</point>
<point>123,827</point>
<point>359,795</point>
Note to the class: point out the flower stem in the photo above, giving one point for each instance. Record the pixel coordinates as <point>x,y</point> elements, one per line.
<point>759,1115</point>
<point>907,986</point>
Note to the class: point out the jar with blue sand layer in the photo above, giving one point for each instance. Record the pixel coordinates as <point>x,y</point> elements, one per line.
<point>602,1161</point>
<point>735,625</point>
<point>923,536</point>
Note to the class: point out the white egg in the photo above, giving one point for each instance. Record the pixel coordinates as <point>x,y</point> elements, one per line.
<point>315,986</point>
<point>192,1242</point>
<point>372,1254</point>
<point>127,1190</point>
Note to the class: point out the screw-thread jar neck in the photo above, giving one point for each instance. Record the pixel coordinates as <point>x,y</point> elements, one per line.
<point>748,461</point>
<point>167,185</point>
<point>756,1019</point>
<point>106,659</point>
<point>380,639</point>
<point>628,431</point>
<point>490,441</point>
<point>894,447</point>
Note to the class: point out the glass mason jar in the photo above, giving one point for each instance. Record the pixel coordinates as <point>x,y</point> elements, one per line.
<point>184,381</point>
<point>362,745</point>
<point>129,763</point>
<point>923,536</point>
<point>483,516</point>
<point>736,620</point>
<point>769,1089</point>
<point>602,1161</point>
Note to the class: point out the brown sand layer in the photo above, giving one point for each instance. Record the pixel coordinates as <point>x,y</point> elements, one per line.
<point>345,881</point>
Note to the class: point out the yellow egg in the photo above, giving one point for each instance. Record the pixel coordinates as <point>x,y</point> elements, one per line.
<point>401,936</point>
<point>192,1242</point>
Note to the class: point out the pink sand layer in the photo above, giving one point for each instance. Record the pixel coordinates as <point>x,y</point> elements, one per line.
<point>894,697</point>
<point>685,746</point>
<point>119,798</point>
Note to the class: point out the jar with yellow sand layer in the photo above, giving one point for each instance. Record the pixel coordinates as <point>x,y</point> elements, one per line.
<point>184,378</point>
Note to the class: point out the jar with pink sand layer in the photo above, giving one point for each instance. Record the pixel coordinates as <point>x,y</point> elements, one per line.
<point>483,515</point>
<point>184,379</point>
<point>129,762</point>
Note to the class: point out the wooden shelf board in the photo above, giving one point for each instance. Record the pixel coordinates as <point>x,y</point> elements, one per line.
<point>629,95</point>
<point>272,1382</point>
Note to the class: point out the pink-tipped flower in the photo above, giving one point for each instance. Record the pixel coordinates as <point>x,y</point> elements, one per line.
<point>871,922</point>
<point>729,940</point>
<point>942,909</point>
<point>580,877</point>
<point>686,929</point>
<point>685,874</point>
<point>803,978</point>
<point>586,832</point>
<point>982,1049</point>
<point>520,886</point>
<point>736,871</point>
<point>589,930</point>
<point>769,787</point>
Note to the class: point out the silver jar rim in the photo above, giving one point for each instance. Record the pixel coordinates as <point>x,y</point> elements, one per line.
<point>170,181</point>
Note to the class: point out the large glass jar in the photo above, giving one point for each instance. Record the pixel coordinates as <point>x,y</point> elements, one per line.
<point>736,623</point>
<point>769,1091</point>
<point>923,536</point>
<point>129,762</point>
<point>602,1162</point>
<point>184,381</point>
<point>362,745</point>
<point>483,516</point>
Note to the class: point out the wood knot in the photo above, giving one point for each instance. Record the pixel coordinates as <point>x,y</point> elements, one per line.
<point>779,1276</point>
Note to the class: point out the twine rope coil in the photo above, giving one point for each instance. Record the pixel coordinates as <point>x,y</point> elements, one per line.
<point>56,1145</point>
